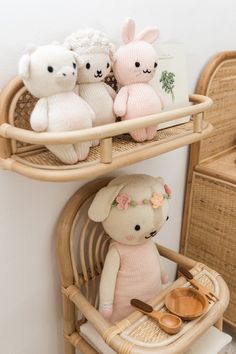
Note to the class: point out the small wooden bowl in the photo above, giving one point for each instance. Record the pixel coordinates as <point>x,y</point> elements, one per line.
<point>186,303</point>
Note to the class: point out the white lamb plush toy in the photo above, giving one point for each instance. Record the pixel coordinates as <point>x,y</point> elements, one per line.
<point>49,72</point>
<point>95,50</point>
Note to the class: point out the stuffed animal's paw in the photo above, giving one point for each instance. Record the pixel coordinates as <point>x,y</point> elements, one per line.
<point>106,310</point>
<point>164,278</point>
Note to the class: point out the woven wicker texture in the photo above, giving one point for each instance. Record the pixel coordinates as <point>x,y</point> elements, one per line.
<point>22,112</point>
<point>149,332</point>
<point>222,89</point>
<point>45,159</point>
<point>212,230</point>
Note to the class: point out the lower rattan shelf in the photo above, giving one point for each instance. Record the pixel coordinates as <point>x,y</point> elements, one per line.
<point>39,163</point>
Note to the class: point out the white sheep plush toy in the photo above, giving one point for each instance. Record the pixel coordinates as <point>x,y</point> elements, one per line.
<point>95,51</point>
<point>49,73</point>
<point>132,210</point>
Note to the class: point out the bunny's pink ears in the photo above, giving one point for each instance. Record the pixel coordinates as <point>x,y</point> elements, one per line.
<point>149,35</point>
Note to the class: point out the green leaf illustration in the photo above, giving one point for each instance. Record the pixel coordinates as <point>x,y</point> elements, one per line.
<point>168,83</point>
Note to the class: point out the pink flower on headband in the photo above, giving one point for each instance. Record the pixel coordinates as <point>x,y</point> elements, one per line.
<point>123,201</point>
<point>157,200</point>
<point>167,190</point>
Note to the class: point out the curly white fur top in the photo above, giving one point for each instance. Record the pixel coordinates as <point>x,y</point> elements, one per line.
<point>89,41</point>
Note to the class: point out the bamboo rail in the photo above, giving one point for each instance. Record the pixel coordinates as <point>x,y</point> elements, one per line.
<point>201,103</point>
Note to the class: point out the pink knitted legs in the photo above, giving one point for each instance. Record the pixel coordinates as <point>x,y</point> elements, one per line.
<point>139,135</point>
<point>151,132</point>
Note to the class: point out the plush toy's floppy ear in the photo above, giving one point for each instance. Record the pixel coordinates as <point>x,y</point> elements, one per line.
<point>79,61</point>
<point>24,64</point>
<point>128,30</point>
<point>148,35</point>
<point>24,67</point>
<point>102,203</point>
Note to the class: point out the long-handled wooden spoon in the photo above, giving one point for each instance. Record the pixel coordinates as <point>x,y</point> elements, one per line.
<point>169,323</point>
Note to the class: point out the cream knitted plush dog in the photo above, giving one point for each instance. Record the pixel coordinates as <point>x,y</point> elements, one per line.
<point>132,210</point>
<point>49,72</point>
<point>95,51</point>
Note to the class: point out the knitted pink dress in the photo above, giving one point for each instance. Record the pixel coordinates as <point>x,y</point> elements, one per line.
<point>139,276</point>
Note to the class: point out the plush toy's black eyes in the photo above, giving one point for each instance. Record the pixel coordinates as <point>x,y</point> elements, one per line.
<point>137,64</point>
<point>108,65</point>
<point>50,69</point>
<point>155,64</point>
<point>137,227</point>
<point>88,66</point>
<point>74,65</point>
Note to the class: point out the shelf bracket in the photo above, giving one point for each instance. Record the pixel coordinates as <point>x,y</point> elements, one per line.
<point>106,150</point>
<point>197,122</point>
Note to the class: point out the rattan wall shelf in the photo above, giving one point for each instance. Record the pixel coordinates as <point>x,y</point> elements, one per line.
<point>23,151</point>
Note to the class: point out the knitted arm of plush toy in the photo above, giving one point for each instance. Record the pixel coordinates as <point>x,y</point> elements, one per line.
<point>120,103</point>
<point>110,91</point>
<point>39,116</point>
<point>108,282</point>
<point>164,275</point>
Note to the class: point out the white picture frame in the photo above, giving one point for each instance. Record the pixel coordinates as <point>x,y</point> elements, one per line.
<point>171,78</point>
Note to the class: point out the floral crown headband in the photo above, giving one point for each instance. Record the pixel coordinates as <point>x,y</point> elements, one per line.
<point>123,201</point>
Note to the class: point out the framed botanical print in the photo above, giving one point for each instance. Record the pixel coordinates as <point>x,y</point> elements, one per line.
<point>171,78</point>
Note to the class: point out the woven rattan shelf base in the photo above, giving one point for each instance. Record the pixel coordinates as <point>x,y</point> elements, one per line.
<point>39,163</point>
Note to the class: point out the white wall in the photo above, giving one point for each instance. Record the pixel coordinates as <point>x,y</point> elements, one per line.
<point>30,304</point>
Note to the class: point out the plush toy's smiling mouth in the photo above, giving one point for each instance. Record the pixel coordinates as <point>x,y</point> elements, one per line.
<point>147,71</point>
<point>152,234</point>
<point>98,75</point>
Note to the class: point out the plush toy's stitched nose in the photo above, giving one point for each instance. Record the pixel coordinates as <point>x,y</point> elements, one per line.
<point>65,72</point>
<point>99,72</point>
<point>65,76</point>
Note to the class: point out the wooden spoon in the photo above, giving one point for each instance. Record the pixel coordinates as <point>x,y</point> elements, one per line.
<point>169,323</point>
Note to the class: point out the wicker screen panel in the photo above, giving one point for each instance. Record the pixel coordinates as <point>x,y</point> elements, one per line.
<point>21,108</point>
<point>212,230</point>
<point>218,81</point>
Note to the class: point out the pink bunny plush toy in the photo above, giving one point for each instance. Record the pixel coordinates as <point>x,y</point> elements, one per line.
<point>135,64</point>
